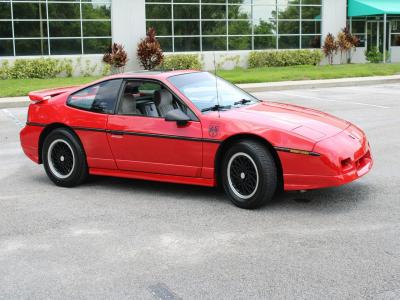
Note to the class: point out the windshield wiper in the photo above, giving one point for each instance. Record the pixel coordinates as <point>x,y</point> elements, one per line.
<point>216,107</point>
<point>243,101</point>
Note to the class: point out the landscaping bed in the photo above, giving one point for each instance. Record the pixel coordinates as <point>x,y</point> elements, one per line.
<point>21,87</point>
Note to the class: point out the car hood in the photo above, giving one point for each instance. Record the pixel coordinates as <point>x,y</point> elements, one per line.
<point>310,123</point>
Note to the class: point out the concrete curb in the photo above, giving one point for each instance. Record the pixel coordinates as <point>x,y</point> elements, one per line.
<point>264,87</point>
<point>14,102</point>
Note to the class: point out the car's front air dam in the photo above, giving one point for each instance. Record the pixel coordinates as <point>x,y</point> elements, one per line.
<point>342,158</point>
<point>348,153</point>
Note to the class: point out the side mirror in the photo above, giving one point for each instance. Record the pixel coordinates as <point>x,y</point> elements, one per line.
<point>177,116</point>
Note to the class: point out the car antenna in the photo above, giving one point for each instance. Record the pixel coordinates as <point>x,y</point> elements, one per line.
<point>216,84</point>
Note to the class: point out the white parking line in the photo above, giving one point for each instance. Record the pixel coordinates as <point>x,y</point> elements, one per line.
<point>13,117</point>
<point>330,100</point>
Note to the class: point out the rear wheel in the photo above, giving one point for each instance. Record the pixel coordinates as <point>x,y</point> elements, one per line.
<point>64,158</point>
<point>249,174</point>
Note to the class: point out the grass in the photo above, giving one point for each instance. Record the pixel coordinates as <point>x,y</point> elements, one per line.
<point>307,72</point>
<point>21,87</point>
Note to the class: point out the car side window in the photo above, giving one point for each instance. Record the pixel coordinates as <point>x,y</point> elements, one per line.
<point>137,98</point>
<point>100,98</point>
<point>150,99</point>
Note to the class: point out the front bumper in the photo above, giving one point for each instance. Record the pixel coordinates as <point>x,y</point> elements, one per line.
<point>343,158</point>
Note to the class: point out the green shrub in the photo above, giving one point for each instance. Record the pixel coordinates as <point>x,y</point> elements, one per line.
<point>106,70</point>
<point>374,55</point>
<point>181,62</point>
<point>67,67</point>
<point>4,69</point>
<point>45,68</point>
<point>35,68</point>
<point>89,69</point>
<point>283,58</point>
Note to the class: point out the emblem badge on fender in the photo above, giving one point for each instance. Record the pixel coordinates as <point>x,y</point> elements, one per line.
<point>213,130</point>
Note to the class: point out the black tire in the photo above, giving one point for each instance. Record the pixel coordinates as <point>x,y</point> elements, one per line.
<point>63,146</point>
<point>249,174</point>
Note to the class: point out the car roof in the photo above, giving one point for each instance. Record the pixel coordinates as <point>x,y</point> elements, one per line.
<point>153,74</point>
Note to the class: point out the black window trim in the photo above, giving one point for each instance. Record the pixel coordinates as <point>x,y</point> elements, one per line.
<point>118,103</point>
<point>92,85</point>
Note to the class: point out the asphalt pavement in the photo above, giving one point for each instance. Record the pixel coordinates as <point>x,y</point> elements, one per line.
<point>117,239</point>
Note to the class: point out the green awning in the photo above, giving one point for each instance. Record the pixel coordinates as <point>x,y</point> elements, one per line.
<point>359,8</point>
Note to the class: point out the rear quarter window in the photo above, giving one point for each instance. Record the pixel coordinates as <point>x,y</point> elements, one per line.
<point>100,98</point>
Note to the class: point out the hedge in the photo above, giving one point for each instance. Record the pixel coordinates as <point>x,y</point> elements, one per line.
<point>181,62</point>
<point>283,58</point>
<point>44,68</point>
<point>35,68</point>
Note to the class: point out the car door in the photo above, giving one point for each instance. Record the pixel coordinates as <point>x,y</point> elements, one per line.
<point>143,141</point>
<point>88,111</point>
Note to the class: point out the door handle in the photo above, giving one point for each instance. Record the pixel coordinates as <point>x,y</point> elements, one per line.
<point>116,133</point>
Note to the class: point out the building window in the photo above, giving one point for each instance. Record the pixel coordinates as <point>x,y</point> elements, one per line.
<point>52,27</point>
<point>395,32</point>
<point>370,31</point>
<point>220,25</point>
<point>358,30</point>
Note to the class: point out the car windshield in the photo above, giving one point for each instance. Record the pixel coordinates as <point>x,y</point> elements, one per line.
<point>209,93</point>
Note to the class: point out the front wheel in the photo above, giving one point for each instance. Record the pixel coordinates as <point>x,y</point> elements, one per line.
<point>64,158</point>
<point>249,174</point>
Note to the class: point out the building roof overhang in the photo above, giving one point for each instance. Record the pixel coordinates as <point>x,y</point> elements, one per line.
<point>361,8</point>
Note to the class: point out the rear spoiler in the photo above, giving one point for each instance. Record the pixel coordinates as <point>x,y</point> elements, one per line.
<point>42,95</point>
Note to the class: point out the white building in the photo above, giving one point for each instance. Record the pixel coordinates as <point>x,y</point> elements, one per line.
<point>228,28</point>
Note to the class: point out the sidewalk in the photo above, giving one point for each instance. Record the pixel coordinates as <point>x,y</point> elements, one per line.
<point>264,87</point>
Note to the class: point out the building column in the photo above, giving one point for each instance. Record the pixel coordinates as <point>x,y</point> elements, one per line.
<point>334,16</point>
<point>334,19</point>
<point>128,19</point>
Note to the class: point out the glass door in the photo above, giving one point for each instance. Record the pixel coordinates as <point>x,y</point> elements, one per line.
<point>375,31</point>
<point>372,35</point>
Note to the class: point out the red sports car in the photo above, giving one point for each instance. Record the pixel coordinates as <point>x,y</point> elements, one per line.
<point>194,128</point>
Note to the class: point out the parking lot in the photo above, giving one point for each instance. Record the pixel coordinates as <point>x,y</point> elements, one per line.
<point>117,238</point>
